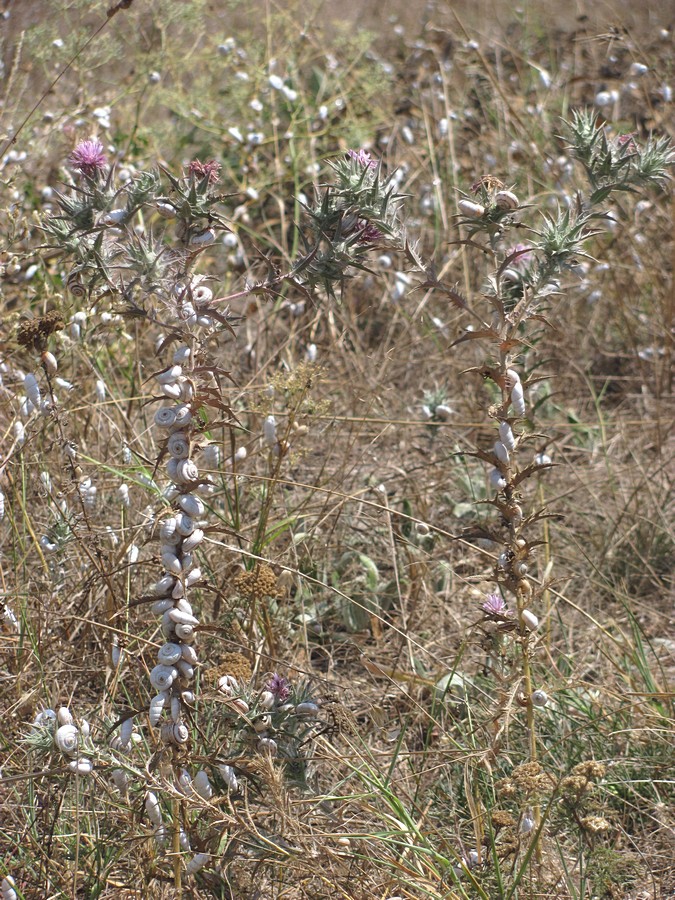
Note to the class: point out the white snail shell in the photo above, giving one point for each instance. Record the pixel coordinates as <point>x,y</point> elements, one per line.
<point>185,632</point>
<point>185,782</point>
<point>497,480</point>
<point>191,505</point>
<point>187,390</point>
<point>193,540</point>
<point>156,706</point>
<point>172,391</point>
<point>175,733</point>
<point>183,416</point>
<point>307,709</point>
<point>169,653</point>
<point>506,436</point>
<point>181,354</point>
<point>228,684</point>
<point>518,400</point>
<point>511,378</point>
<point>166,210</point>
<point>170,375</point>
<point>178,445</point>
<point>266,699</point>
<point>168,532</point>
<point>81,766</point>
<point>202,294</point>
<point>120,780</point>
<point>471,209</point>
<point>198,861</point>
<point>171,562</point>
<point>193,577</point>
<point>186,471</point>
<point>189,654</point>
<point>126,730</point>
<point>229,777</point>
<point>262,724</point>
<point>501,452</point>
<point>186,561</point>
<point>184,524</point>
<point>178,590</point>
<point>539,698</point>
<point>185,670</point>
<point>202,785</point>
<point>203,238</point>
<point>67,739</point>
<point>506,200</point>
<point>184,605</point>
<point>529,620</point>
<point>172,468</point>
<point>64,716</point>
<point>153,809</point>
<point>163,676</point>
<point>182,618</point>
<point>165,417</point>
<point>267,745</point>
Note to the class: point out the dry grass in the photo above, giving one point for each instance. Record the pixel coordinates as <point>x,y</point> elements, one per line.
<point>370,613</point>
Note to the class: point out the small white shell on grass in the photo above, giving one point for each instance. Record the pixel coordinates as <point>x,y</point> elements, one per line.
<point>81,766</point>
<point>178,445</point>
<point>67,739</point>
<point>156,706</point>
<point>170,375</point>
<point>539,698</point>
<point>471,209</point>
<point>191,505</point>
<point>7,891</point>
<point>529,619</point>
<point>198,861</point>
<point>64,716</point>
<point>202,785</point>
<point>153,808</point>
<point>171,563</point>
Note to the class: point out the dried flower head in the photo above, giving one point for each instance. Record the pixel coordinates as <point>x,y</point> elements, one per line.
<point>279,686</point>
<point>258,584</point>
<point>88,158</point>
<point>209,169</point>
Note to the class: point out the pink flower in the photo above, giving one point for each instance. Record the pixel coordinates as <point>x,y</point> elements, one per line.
<point>209,169</point>
<point>88,158</point>
<point>494,606</point>
<point>362,157</point>
<point>279,686</point>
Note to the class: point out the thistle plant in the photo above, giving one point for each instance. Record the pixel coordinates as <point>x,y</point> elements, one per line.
<point>522,286</point>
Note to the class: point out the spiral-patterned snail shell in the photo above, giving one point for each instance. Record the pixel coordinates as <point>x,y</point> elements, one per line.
<point>178,445</point>
<point>156,706</point>
<point>202,294</point>
<point>162,677</point>
<point>67,739</point>
<point>175,733</point>
<point>203,238</point>
<point>169,653</point>
<point>183,415</point>
<point>74,284</point>
<point>506,200</point>
<point>81,766</point>
<point>187,471</point>
<point>165,417</point>
<point>185,632</point>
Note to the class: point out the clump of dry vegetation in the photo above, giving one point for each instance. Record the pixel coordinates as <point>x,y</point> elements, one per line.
<point>335,481</point>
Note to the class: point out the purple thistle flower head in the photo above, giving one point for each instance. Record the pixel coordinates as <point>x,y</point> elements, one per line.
<point>362,157</point>
<point>88,158</point>
<point>209,169</point>
<point>495,606</point>
<point>369,233</point>
<point>279,686</point>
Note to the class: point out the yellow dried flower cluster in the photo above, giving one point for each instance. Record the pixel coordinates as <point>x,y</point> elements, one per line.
<point>257,584</point>
<point>235,664</point>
